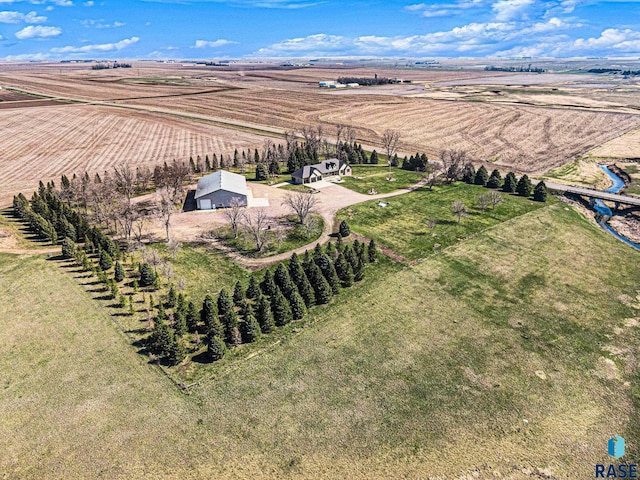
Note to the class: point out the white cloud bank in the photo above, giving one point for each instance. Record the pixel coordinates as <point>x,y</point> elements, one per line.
<point>99,47</point>
<point>38,32</point>
<point>18,17</point>
<point>212,44</point>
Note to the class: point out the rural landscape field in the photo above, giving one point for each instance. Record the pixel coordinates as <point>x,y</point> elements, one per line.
<point>450,329</point>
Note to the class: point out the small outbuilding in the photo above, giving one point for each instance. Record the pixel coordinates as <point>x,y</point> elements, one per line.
<point>220,190</point>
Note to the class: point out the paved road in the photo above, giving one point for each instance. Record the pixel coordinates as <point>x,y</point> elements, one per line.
<point>587,192</point>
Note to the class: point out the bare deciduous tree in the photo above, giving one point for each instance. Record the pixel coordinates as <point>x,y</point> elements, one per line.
<point>453,162</point>
<point>495,198</point>
<point>234,214</point>
<point>174,248</point>
<point>459,209</point>
<point>390,139</point>
<point>482,202</point>
<point>165,208</point>
<point>302,204</point>
<point>257,225</point>
<point>313,138</point>
<point>153,258</point>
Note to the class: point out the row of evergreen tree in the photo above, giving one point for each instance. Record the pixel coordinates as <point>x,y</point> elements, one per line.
<point>510,183</point>
<point>282,295</point>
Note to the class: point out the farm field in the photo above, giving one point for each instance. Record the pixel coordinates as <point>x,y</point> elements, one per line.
<point>497,338</point>
<point>402,224</point>
<point>624,146</point>
<point>44,143</point>
<point>525,138</point>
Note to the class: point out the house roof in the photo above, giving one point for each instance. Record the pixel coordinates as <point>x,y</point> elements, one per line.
<point>328,166</point>
<point>221,180</point>
<point>306,171</point>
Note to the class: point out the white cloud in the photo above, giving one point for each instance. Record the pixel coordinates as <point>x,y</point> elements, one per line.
<point>506,10</point>
<point>59,3</point>
<point>38,32</point>
<point>212,44</point>
<point>18,17</point>
<point>25,57</point>
<point>100,23</point>
<point>100,47</point>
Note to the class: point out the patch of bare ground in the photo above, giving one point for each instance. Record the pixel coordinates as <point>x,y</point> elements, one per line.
<point>44,143</point>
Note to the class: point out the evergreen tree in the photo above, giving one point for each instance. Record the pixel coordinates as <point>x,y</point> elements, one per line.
<point>216,348</point>
<point>238,294</point>
<point>68,248</point>
<point>132,309</point>
<point>229,323</point>
<point>147,275</point>
<point>171,297</point>
<point>344,229</point>
<point>321,287</point>
<point>177,352</point>
<point>161,339</point>
<point>373,160</point>
<point>524,186</point>
<point>209,317</point>
<point>283,281</point>
<point>510,183</point>
<point>469,173</point>
<point>372,252</point>
<point>540,192</point>
<point>281,310</point>
<point>225,304</point>
<point>344,271</point>
<point>180,322</point>
<point>250,329</point>
<point>330,250</point>
<point>268,285</point>
<point>66,229</point>
<point>162,314</point>
<point>482,176</point>
<point>214,163</point>
<point>106,262</point>
<point>264,315</point>
<point>351,257</point>
<point>261,172</point>
<point>298,308</point>
<point>253,290</point>
<point>358,272</point>
<point>207,163</point>
<point>193,316</point>
<point>118,273</point>
<point>329,272</point>
<point>495,180</point>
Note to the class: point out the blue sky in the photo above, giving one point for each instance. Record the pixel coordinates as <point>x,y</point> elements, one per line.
<point>217,29</point>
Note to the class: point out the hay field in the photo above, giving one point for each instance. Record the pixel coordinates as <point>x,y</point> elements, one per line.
<point>495,359</point>
<point>44,143</point>
<point>624,146</point>
<point>528,139</point>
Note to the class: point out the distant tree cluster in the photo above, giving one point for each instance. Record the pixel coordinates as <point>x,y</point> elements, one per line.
<point>109,65</point>
<point>627,73</point>
<point>528,69</point>
<point>367,81</point>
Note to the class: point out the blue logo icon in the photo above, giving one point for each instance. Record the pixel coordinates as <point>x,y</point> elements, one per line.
<point>616,447</point>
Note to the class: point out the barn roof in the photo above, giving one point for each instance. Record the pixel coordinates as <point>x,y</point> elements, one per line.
<point>221,180</point>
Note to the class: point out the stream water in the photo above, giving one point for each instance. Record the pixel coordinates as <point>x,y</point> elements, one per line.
<point>602,209</point>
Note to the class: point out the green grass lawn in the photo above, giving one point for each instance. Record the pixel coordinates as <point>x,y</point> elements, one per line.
<point>203,270</point>
<point>296,237</point>
<point>402,225</point>
<point>375,177</point>
<point>512,354</point>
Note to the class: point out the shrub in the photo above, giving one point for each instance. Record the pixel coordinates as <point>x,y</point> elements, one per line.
<point>344,229</point>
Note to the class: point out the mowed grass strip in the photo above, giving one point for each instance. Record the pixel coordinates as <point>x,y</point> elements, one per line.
<point>402,224</point>
<point>368,177</point>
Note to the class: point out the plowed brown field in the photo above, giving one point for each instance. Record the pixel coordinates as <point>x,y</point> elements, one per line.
<point>44,143</point>
<point>529,139</point>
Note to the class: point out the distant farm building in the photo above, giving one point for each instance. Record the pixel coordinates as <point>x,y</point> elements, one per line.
<point>326,169</point>
<point>220,190</point>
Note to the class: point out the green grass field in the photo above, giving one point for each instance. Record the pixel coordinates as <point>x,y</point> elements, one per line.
<point>509,355</point>
<point>375,177</point>
<point>402,225</point>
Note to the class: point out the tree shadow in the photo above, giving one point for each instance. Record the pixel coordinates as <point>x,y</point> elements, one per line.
<point>202,358</point>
